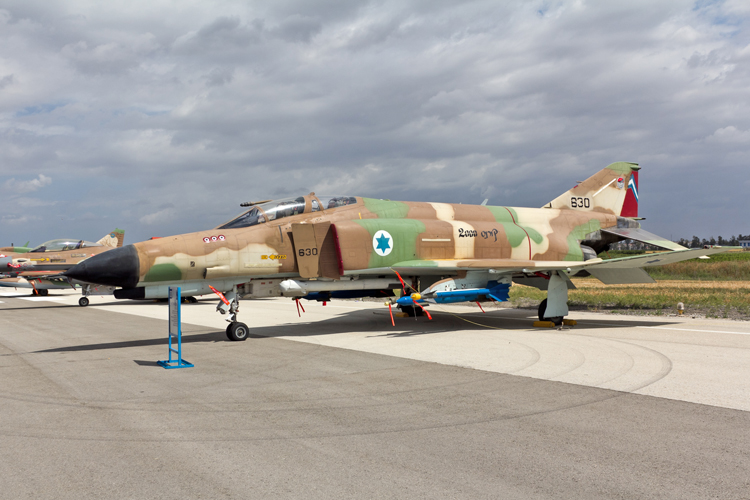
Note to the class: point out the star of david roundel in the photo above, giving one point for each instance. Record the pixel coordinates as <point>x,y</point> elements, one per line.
<point>382,243</point>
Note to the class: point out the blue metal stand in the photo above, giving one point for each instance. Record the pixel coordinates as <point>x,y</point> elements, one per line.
<point>175,330</point>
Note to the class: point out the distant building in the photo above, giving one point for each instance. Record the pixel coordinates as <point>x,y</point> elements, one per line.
<point>745,244</point>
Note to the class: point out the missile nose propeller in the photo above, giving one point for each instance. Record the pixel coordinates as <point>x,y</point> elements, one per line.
<point>117,267</point>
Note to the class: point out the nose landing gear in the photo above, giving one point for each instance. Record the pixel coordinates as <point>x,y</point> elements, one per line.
<point>230,304</point>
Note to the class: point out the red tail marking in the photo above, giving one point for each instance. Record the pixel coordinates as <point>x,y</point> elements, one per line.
<point>630,206</point>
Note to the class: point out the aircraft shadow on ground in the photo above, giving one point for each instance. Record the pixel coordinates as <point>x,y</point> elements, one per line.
<point>504,320</point>
<point>362,321</point>
<point>211,336</point>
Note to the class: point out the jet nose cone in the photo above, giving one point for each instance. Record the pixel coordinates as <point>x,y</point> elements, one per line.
<point>117,267</point>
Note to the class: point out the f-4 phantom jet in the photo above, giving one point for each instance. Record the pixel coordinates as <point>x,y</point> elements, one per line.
<point>323,247</point>
<point>38,268</point>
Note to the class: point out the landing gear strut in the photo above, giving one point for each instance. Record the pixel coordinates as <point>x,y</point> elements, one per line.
<point>555,307</point>
<point>558,320</point>
<point>86,291</point>
<point>236,331</point>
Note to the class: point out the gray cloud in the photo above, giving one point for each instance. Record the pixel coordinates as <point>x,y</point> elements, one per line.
<point>22,187</point>
<point>162,120</point>
<point>5,81</point>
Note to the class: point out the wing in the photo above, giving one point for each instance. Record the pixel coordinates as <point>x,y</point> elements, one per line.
<point>613,271</point>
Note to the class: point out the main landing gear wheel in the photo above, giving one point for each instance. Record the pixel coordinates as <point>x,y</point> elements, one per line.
<point>558,320</point>
<point>237,332</point>
<point>83,301</point>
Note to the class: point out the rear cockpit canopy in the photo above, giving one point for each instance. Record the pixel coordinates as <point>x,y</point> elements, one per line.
<point>62,245</point>
<point>278,209</point>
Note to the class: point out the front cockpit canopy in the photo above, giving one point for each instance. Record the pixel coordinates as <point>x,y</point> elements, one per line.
<point>62,245</point>
<point>278,209</point>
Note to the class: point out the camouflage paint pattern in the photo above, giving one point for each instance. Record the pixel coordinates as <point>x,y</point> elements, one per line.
<point>418,235</point>
<point>30,266</point>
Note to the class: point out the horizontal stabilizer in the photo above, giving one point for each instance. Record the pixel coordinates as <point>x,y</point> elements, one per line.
<point>637,234</point>
<point>653,259</point>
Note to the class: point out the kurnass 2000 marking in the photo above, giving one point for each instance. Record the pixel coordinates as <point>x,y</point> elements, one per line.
<point>490,233</point>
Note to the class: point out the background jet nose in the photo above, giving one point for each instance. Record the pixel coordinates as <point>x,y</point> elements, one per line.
<point>117,267</point>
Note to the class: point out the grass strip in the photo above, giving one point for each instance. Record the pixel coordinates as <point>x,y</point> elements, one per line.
<point>725,299</point>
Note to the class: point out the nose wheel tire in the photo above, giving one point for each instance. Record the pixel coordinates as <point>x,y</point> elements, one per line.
<point>543,309</point>
<point>237,331</point>
<point>83,302</point>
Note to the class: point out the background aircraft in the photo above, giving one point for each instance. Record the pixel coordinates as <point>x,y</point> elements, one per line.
<point>34,268</point>
<point>323,247</point>
<point>14,249</point>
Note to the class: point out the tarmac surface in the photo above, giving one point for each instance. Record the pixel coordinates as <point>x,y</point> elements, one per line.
<point>338,403</point>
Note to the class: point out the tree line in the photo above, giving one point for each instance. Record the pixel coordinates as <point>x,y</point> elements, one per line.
<point>695,242</point>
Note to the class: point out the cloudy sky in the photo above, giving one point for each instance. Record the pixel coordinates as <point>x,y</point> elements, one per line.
<point>161,117</point>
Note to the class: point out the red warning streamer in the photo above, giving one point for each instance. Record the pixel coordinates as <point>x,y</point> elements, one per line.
<point>221,295</point>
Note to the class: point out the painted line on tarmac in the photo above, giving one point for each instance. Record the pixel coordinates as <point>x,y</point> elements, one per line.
<point>692,330</point>
<point>42,299</point>
<point>624,325</point>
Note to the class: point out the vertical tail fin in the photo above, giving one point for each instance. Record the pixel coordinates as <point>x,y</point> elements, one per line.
<point>613,189</point>
<point>113,239</point>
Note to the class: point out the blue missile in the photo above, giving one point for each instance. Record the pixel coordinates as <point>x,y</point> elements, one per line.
<point>495,291</point>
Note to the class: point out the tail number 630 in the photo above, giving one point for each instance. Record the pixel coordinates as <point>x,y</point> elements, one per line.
<point>579,202</point>
<point>307,252</point>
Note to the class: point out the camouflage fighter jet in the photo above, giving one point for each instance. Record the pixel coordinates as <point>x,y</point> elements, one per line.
<point>14,249</point>
<point>323,247</point>
<point>39,268</point>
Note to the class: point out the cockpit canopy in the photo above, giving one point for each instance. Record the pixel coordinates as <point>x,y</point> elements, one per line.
<point>277,209</point>
<point>62,245</point>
